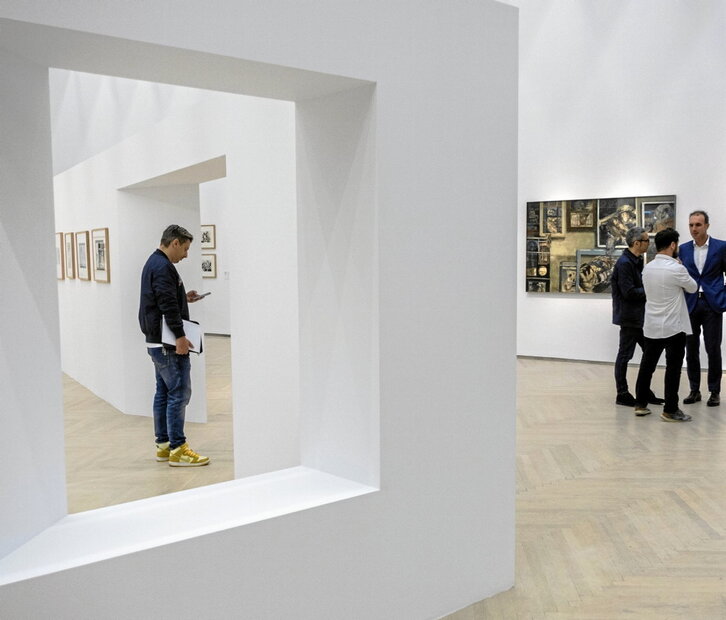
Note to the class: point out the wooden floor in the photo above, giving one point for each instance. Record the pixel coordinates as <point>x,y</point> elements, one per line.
<point>111,458</point>
<point>617,516</point>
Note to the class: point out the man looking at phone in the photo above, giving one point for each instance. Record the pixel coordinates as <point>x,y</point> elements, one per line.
<point>163,295</point>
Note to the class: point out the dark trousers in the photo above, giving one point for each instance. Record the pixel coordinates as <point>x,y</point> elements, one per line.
<point>711,322</point>
<point>675,348</point>
<point>629,337</point>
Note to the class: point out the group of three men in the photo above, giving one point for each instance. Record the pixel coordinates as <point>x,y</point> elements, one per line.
<point>665,307</point>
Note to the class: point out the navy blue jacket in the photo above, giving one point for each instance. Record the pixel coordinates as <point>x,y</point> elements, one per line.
<point>627,291</point>
<point>711,278</point>
<point>162,293</point>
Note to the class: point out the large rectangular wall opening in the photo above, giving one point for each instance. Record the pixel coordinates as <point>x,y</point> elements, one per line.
<point>333,235</point>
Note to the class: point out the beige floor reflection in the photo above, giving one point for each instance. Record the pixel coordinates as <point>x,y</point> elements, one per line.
<point>110,457</point>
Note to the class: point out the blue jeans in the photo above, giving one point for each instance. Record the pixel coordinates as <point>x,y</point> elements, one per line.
<point>173,391</point>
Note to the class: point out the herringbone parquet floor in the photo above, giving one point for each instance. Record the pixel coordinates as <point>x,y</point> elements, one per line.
<point>617,516</point>
<point>110,457</point>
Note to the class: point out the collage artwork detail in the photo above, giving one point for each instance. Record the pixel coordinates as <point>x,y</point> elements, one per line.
<point>572,245</point>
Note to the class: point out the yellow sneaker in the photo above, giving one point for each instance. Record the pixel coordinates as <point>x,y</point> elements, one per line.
<point>162,451</point>
<point>184,456</point>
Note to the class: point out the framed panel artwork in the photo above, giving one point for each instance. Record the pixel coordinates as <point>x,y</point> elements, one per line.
<point>656,213</point>
<point>581,215</point>
<point>69,255</point>
<point>83,256</point>
<point>568,276</point>
<point>99,250</point>
<point>552,218</point>
<point>209,265</point>
<point>595,270</point>
<point>572,245</point>
<point>209,237</point>
<point>60,271</point>
<point>615,216</point>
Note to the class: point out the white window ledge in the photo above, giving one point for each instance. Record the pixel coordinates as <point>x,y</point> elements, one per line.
<point>96,535</point>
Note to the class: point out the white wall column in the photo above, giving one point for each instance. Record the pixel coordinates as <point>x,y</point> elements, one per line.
<point>32,483</point>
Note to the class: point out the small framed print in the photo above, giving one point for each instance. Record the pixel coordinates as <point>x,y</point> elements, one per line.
<point>538,285</point>
<point>533,216</point>
<point>552,218</point>
<point>568,276</point>
<point>209,237</point>
<point>69,256</point>
<point>83,256</point>
<point>657,213</point>
<point>581,215</point>
<point>209,265</point>
<point>99,250</point>
<point>60,271</point>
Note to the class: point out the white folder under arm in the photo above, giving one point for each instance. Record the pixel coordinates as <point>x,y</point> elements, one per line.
<point>193,332</point>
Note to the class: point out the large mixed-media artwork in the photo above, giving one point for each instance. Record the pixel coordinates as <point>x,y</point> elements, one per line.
<point>572,245</point>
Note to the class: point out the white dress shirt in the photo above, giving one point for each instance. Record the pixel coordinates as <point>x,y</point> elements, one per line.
<point>666,313</point>
<point>700,252</point>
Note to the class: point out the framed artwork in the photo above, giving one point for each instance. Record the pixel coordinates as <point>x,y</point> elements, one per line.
<point>615,216</point>
<point>533,210</point>
<point>657,213</point>
<point>577,242</point>
<point>209,237</point>
<point>83,256</point>
<point>99,250</point>
<point>595,270</point>
<point>60,271</point>
<point>69,254</point>
<point>538,285</point>
<point>581,215</point>
<point>209,265</point>
<point>552,218</point>
<point>538,257</point>
<point>568,276</point>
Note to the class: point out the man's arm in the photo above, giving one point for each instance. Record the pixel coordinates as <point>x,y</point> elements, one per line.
<point>164,285</point>
<point>684,279</point>
<point>628,283</point>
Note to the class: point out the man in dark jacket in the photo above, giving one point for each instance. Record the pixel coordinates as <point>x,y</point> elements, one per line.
<point>163,295</point>
<point>629,310</point>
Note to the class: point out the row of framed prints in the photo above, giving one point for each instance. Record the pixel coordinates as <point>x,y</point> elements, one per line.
<point>572,245</point>
<point>208,241</point>
<point>83,255</point>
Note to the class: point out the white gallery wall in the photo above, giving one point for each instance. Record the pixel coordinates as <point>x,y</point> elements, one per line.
<point>91,113</point>
<point>394,248</point>
<point>152,179</point>
<point>617,98</point>
<point>30,379</point>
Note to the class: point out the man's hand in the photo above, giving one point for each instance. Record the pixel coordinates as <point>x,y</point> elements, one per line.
<point>183,345</point>
<point>193,296</point>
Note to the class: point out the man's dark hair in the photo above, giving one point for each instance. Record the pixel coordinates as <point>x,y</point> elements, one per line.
<point>699,212</point>
<point>665,237</point>
<point>175,232</point>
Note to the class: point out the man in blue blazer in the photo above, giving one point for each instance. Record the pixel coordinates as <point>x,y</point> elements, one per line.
<point>705,260</point>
